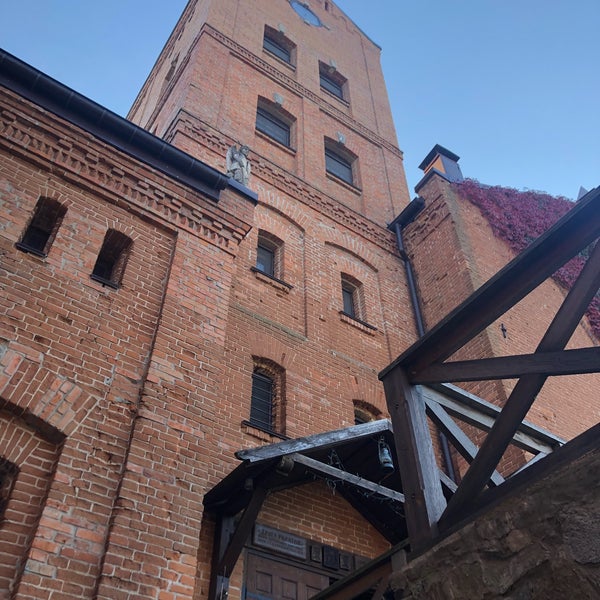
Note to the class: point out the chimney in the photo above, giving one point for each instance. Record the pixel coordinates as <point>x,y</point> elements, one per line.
<point>443,162</point>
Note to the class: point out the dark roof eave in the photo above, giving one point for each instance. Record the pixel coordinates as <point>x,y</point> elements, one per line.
<point>437,149</point>
<point>109,127</point>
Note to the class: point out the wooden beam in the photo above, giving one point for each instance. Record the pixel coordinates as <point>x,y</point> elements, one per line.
<point>461,441</point>
<point>223,531</point>
<point>564,362</point>
<point>425,501</point>
<point>355,480</point>
<point>446,482</point>
<point>571,234</point>
<point>241,533</point>
<point>447,392</point>
<point>366,576</point>
<point>525,391</point>
<point>319,440</point>
<point>529,463</point>
<point>484,417</point>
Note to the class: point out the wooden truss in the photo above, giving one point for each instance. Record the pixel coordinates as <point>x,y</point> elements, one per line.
<point>415,391</point>
<point>428,512</point>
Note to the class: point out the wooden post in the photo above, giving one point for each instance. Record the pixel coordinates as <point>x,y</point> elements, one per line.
<point>424,500</point>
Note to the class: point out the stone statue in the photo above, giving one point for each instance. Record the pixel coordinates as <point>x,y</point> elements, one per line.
<point>238,165</point>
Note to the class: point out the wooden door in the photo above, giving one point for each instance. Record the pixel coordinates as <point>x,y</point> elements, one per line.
<point>267,579</point>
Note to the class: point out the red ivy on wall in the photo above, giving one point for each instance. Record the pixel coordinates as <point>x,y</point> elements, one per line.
<point>518,218</point>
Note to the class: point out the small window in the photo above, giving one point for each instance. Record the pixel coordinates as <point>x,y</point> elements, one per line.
<point>339,165</point>
<point>274,127</point>
<point>43,227</point>
<point>277,44</point>
<point>265,260</point>
<point>332,81</point>
<point>269,255</point>
<point>112,259</point>
<point>348,298</point>
<point>266,405</point>
<point>352,298</point>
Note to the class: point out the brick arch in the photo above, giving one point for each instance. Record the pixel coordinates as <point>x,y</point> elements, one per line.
<point>370,393</point>
<point>288,216</point>
<point>55,404</point>
<point>267,347</point>
<point>355,248</point>
<point>35,458</point>
<point>367,409</point>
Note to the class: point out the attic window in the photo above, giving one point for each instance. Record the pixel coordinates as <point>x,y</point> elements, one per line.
<point>112,259</point>
<point>43,227</point>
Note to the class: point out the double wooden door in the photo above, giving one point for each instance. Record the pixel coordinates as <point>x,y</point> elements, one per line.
<point>267,579</point>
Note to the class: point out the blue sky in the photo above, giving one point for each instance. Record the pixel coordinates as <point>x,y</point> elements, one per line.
<point>511,86</point>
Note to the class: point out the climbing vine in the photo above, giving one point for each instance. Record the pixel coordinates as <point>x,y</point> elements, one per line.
<point>518,218</point>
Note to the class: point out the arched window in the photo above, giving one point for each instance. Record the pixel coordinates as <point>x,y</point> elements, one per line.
<point>340,162</point>
<point>275,122</point>
<point>353,304</point>
<point>365,412</point>
<point>43,227</point>
<point>267,402</point>
<point>332,82</point>
<point>276,43</point>
<point>112,258</point>
<point>269,255</point>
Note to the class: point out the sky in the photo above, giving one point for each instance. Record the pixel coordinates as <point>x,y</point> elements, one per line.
<point>511,86</point>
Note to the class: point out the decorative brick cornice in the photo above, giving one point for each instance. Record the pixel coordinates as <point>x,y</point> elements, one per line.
<point>39,136</point>
<point>289,184</point>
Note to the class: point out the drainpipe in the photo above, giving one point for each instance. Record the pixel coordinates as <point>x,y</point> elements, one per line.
<point>397,225</point>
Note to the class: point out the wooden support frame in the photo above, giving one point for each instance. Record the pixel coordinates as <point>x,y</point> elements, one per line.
<point>525,391</point>
<point>360,482</point>
<point>229,544</point>
<point>425,501</point>
<point>423,363</point>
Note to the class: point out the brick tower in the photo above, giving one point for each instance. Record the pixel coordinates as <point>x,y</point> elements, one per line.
<point>313,308</point>
<point>196,306</point>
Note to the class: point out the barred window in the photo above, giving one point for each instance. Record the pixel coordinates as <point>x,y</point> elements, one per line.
<point>267,409</point>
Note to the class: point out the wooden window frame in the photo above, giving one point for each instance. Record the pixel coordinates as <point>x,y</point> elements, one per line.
<point>339,165</point>
<point>332,81</point>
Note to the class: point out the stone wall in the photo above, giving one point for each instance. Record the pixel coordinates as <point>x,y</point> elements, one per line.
<point>538,544</point>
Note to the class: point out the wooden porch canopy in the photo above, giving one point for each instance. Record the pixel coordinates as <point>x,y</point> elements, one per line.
<point>347,460</point>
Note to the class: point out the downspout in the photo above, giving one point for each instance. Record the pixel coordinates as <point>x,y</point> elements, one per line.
<point>397,225</point>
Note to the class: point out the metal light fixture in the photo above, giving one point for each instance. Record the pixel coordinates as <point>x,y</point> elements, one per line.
<point>385,457</point>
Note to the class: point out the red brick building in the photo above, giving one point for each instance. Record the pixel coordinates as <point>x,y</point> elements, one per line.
<point>159,317</point>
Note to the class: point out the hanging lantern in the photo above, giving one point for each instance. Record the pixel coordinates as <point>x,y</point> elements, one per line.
<point>385,457</point>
